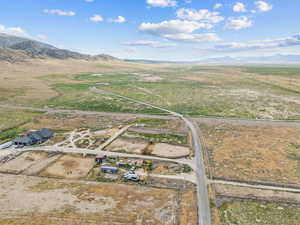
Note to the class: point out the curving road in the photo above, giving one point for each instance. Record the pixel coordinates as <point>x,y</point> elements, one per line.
<point>204,215</point>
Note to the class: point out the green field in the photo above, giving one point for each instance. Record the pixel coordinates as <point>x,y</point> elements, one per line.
<point>249,92</point>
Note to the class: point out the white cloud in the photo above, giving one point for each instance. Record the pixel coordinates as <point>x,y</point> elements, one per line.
<point>218,6</point>
<point>260,44</point>
<point>17,31</point>
<point>238,23</point>
<point>184,37</point>
<point>119,19</point>
<point>203,15</point>
<point>59,12</point>
<point>263,6</point>
<point>89,0</point>
<point>172,27</point>
<point>239,7</point>
<point>152,44</point>
<point>179,30</point>
<point>42,37</point>
<point>162,3</point>
<point>96,18</point>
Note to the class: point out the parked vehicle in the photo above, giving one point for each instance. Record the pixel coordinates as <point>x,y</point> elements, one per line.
<point>131,176</point>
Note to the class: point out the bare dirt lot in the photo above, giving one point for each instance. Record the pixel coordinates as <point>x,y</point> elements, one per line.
<point>69,166</point>
<point>23,162</point>
<point>128,145</point>
<point>170,151</point>
<point>36,200</point>
<point>256,154</point>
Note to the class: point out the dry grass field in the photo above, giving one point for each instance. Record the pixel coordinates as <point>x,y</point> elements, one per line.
<point>15,118</point>
<point>28,78</point>
<point>23,162</point>
<point>71,121</point>
<point>258,213</point>
<point>36,200</point>
<point>250,153</point>
<point>69,166</point>
<point>253,193</point>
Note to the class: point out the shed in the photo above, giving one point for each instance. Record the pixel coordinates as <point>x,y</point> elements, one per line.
<point>107,169</point>
<point>25,141</point>
<point>99,158</point>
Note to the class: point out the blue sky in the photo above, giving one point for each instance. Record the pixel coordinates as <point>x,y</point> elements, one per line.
<point>159,29</point>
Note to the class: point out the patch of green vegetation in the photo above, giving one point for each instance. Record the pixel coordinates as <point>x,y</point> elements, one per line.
<point>294,156</point>
<point>116,78</point>
<point>9,134</point>
<point>296,146</point>
<point>80,97</point>
<point>258,213</point>
<point>186,168</point>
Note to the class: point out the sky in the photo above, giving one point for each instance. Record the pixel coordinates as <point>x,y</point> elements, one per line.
<point>182,30</point>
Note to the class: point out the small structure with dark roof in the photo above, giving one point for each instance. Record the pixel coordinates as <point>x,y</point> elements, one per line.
<point>108,169</point>
<point>99,158</point>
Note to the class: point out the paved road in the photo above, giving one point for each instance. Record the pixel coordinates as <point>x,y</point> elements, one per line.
<point>204,214</point>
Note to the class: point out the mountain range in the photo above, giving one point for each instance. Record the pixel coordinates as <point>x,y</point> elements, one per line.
<point>16,49</point>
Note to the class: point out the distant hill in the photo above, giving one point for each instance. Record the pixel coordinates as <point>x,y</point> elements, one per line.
<point>275,59</point>
<point>15,49</point>
<point>254,59</point>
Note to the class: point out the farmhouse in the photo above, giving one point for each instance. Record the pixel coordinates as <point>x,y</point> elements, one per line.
<point>35,137</point>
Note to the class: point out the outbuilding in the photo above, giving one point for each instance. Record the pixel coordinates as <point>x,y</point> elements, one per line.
<point>112,170</point>
<point>99,158</point>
